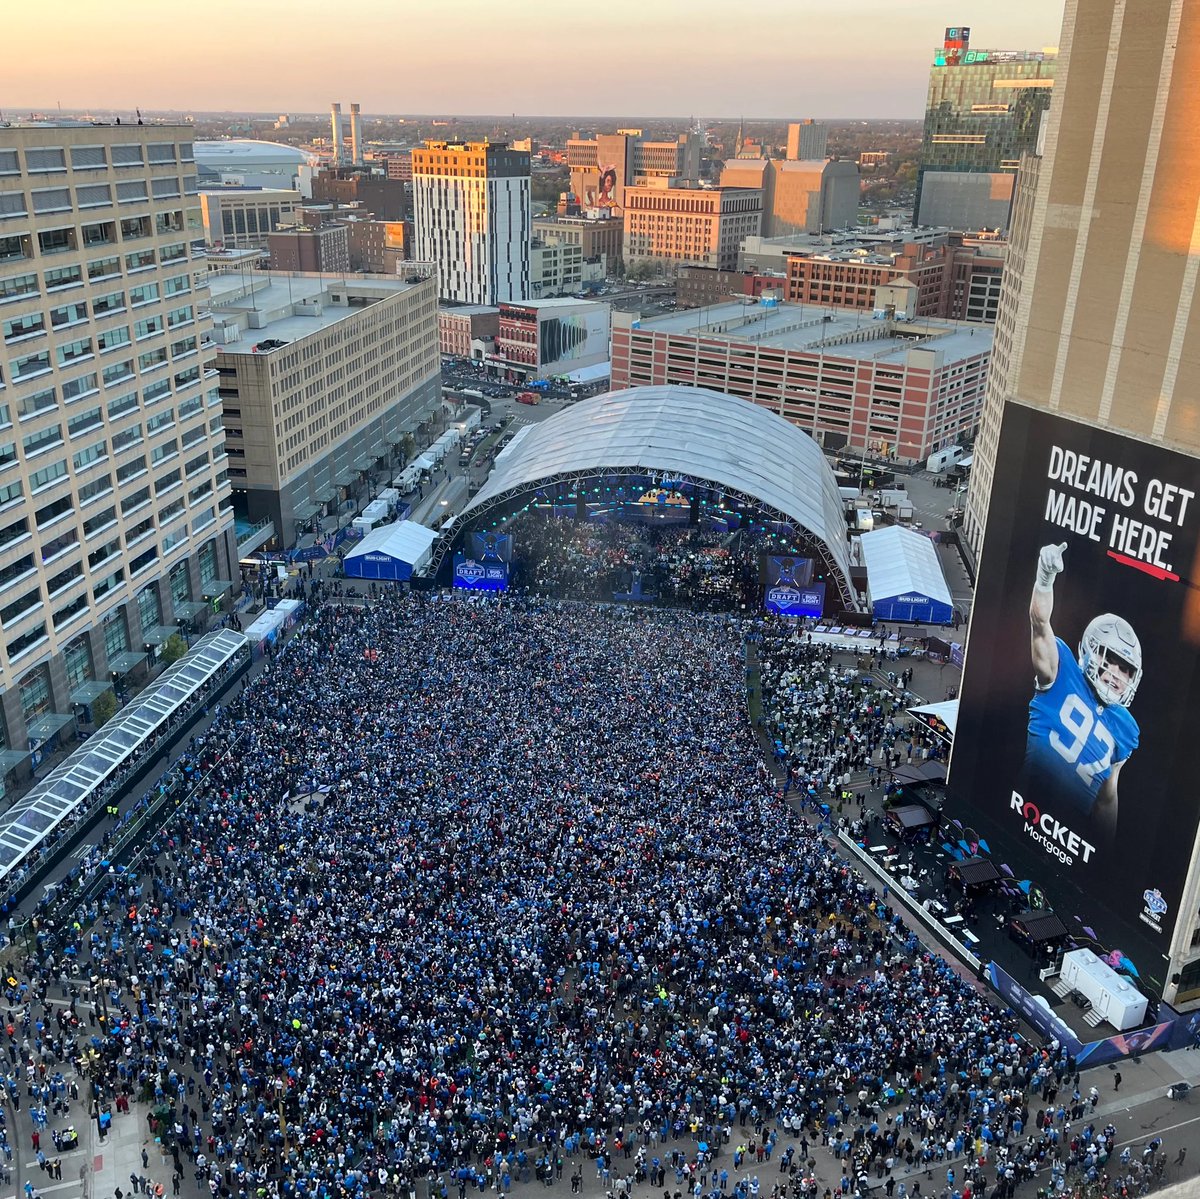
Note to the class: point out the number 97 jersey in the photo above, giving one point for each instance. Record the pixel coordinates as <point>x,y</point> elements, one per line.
<point>1074,740</point>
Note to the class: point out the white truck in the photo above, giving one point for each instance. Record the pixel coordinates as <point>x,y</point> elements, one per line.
<point>470,418</point>
<point>943,460</point>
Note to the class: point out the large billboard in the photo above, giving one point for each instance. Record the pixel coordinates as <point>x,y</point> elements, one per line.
<point>1073,749</point>
<point>573,335</point>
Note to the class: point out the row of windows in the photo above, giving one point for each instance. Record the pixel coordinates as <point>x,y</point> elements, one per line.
<point>42,201</point>
<point>50,160</point>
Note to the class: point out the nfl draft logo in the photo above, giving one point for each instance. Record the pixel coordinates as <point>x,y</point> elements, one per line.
<point>1155,909</point>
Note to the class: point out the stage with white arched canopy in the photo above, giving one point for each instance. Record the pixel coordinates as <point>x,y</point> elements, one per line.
<point>701,441</point>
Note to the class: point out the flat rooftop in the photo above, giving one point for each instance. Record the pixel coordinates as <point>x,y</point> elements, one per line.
<point>467,309</point>
<point>853,334</point>
<point>80,123</point>
<point>554,302</point>
<point>232,296</point>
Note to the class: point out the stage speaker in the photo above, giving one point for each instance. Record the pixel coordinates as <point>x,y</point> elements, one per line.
<point>694,509</point>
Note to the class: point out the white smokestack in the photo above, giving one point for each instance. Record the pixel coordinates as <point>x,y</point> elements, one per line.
<point>335,117</point>
<point>356,149</point>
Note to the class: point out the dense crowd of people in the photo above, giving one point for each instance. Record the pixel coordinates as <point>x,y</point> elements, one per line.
<point>834,717</point>
<point>675,563</point>
<point>468,894</point>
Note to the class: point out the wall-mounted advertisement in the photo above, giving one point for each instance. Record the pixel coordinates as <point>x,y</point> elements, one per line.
<point>578,336</point>
<point>1073,751</point>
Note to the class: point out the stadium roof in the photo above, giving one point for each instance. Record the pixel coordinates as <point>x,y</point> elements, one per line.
<point>689,431</point>
<point>231,152</point>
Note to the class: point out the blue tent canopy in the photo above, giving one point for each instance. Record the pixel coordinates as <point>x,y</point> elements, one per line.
<point>904,577</point>
<point>396,551</point>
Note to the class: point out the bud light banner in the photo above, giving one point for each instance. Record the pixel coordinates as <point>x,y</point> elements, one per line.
<point>1073,749</point>
<point>790,590</point>
<point>472,575</point>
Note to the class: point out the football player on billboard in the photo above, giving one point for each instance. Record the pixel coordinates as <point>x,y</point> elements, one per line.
<point>1081,732</point>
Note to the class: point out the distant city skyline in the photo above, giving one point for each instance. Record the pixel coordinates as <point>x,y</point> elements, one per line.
<point>855,59</point>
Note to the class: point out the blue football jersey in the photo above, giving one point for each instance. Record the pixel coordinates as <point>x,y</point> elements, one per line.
<point>1075,740</point>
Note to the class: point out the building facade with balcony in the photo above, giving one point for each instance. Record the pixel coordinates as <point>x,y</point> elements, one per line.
<point>116,522</point>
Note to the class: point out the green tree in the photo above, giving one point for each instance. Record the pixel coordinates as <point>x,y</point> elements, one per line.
<point>104,707</point>
<point>408,445</point>
<point>173,649</point>
<point>640,271</point>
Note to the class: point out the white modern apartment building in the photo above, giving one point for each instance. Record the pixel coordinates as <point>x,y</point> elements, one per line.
<point>471,215</point>
<point>115,518</point>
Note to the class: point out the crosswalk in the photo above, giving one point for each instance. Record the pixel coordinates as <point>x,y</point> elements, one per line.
<point>78,1168</point>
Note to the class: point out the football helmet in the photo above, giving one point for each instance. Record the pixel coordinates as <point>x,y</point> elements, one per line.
<point>1106,638</point>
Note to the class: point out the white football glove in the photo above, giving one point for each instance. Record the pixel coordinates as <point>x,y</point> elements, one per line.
<point>1050,563</point>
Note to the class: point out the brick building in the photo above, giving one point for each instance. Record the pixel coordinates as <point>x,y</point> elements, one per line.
<point>891,388</point>
<point>383,198</point>
<point>699,286</point>
<point>459,327</point>
<point>305,248</point>
<point>669,227</point>
<point>957,280</point>
<point>377,247</point>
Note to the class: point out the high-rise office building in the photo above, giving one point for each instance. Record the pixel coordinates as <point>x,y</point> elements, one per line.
<point>321,378</point>
<point>604,166</point>
<point>1085,473</point>
<point>806,140</point>
<point>115,517</point>
<point>471,215</point>
<point>983,111</point>
<point>669,227</point>
<point>1102,250</point>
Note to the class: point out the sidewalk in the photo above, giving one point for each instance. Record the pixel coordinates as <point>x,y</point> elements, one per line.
<point>120,1154</point>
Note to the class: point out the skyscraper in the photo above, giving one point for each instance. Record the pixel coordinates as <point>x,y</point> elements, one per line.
<point>1086,472</point>
<point>116,518</point>
<point>983,111</point>
<point>806,140</point>
<point>1096,318</point>
<point>471,215</point>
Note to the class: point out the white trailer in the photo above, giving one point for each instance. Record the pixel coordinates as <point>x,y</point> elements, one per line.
<point>1112,995</point>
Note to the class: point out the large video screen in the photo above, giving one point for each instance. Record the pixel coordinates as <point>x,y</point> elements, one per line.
<point>491,547</point>
<point>789,588</point>
<point>1073,750</point>
<point>490,574</point>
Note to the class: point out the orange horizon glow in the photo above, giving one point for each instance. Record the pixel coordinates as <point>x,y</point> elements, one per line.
<point>832,58</point>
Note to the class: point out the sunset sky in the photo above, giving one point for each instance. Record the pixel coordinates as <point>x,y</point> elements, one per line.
<point>710,58</point>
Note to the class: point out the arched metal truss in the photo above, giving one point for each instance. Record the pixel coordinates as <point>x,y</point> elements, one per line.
<point>572,480</point>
